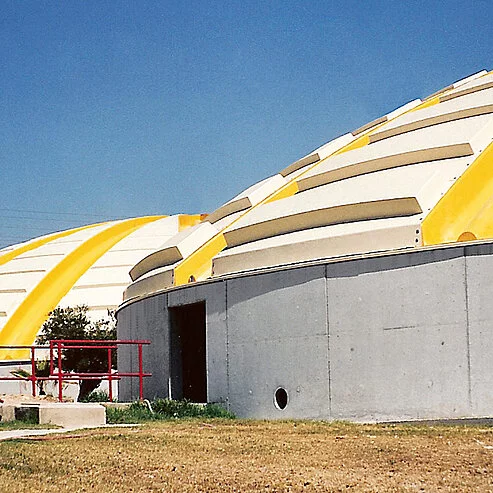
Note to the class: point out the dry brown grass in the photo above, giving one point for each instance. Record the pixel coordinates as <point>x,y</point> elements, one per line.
<point>254,456</point>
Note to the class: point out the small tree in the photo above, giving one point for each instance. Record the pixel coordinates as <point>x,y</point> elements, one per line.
<point>73,323</point>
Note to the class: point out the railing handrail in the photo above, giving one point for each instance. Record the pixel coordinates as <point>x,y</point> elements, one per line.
<point>99,341</point>
<point>60,376</point>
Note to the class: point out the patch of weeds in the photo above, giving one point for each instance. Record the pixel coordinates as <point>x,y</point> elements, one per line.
<point>165,409</point>
<point>97,396</point>
<point>135,413</point>
<point>17,462</point>
<point>185,409</point>
<point>20,467</point>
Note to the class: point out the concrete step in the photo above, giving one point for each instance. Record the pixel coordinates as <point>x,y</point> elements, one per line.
<point>65,414</point>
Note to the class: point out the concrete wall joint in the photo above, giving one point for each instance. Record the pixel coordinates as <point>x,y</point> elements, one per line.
<point>327,321</point>
<point>227,345</point>
<point>468,335</point>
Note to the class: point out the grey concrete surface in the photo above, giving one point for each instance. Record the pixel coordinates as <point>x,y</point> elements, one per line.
<point>404,336</point>
<point>276,321</point>
<point>398,344</point>
<point>479,289</point>
<point>146,321</point>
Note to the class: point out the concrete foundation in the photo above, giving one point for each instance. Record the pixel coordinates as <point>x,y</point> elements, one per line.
<point>70,414</point>
<point>400,336</point>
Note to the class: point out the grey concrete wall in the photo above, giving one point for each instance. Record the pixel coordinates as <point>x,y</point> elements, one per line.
<point>404,336</point>
<point>397,338</point>
<point>277,325</point>
<point>479,292</point>
<point>145,320</point>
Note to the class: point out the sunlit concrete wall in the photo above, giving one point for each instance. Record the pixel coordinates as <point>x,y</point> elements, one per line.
<point>384,337</point>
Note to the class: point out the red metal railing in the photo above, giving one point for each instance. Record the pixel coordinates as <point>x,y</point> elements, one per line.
<point>56,348</point>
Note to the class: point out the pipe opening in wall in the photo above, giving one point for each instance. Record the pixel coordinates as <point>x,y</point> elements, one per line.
<point>281,398</point>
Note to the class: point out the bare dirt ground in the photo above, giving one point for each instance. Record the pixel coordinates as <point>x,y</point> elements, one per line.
<point>254,456</point>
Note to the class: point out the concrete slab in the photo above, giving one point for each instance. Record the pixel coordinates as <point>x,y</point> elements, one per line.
<point>59,413</point>
<point>72,414</point>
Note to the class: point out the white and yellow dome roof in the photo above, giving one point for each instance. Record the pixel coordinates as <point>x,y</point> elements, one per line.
<point>421,175</point>
<point>87,265</point>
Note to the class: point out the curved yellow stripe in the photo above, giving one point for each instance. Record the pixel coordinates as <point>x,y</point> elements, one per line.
<point>361,141</point>
<point>25,322</point>
<point>466,207</point>
<point>426,104</point>
<point>282,193</point>
<point>199,263</point>
<point>7,257</point>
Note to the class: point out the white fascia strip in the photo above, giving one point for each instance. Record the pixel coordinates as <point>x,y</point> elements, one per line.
<point>326,242</point>
<point>249,198</point>
<point>472,105</point>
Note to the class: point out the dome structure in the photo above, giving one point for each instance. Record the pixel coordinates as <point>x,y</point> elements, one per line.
<point>353,284</point>
<point>82,266</point>
<point>417,176</point>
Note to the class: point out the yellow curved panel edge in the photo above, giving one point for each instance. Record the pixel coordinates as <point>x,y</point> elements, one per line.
<point>287,191</point>
<point>199,263</point>
<point>25,322</point>
<point>186,221</point>
<point>7,257</point>
<point>466,207</point>
<point>361,141</point>
<point>426,104</point>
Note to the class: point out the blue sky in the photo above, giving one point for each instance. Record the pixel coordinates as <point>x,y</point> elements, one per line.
<point>113,109</point>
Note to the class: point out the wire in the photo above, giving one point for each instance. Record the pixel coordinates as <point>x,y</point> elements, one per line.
<point>38,219</point>
<point>48,212</point>
<point>19,227</point>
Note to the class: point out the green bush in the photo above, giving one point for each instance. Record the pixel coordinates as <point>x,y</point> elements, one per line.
<point>165,409</point>
<point>73,323</point>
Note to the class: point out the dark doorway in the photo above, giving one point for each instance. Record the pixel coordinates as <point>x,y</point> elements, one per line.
<point>188,353</point>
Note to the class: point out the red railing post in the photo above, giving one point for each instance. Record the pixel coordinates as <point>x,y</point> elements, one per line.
<point>141,374</point>
<point>33,372</point>
<point>60,382</point>
<point>51,359</point>
<point>110,382</point>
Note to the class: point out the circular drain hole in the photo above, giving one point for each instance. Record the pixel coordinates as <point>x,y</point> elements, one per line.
<point>281,398</point>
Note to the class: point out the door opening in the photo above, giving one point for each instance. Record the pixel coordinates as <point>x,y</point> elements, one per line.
<point>188,352</point>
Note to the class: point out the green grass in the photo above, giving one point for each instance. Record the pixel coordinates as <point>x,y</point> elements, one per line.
<point>165,409</point>
<point>217,455</point>
<point>23,424</point>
